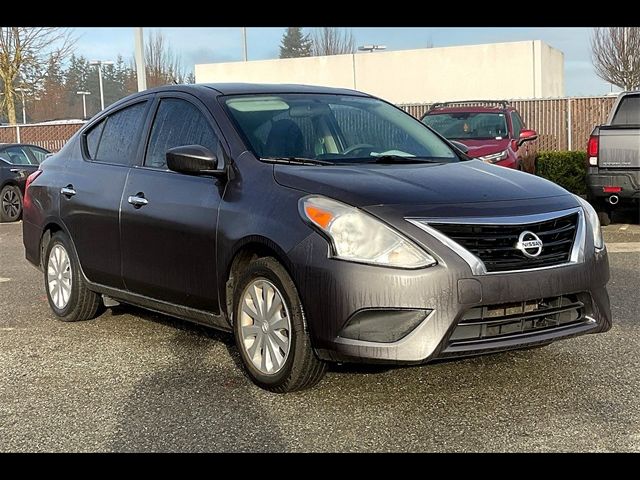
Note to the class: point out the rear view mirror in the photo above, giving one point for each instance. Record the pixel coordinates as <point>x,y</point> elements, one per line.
<point>193,160</point>
<point>527,135</point>
<point>460,146</point>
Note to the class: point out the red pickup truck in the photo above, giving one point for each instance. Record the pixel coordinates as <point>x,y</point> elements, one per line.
<point>492,131</point>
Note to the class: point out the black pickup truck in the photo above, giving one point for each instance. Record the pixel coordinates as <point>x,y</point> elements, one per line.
<point>613,155</point>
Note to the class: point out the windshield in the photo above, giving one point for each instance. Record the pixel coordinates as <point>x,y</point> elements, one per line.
<point>465,125</point>
<point>333,129</point>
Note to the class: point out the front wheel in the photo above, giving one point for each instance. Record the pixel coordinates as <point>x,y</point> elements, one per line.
<point>10,204</point>
<point>67,292</point>
<point>270,330</point>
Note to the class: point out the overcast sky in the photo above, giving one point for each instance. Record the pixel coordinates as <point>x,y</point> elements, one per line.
<point>208,45</point>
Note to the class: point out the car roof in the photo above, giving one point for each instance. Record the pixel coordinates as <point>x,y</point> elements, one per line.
<point>255,88</point>
<point>5,145</point>
<point>471,109</point>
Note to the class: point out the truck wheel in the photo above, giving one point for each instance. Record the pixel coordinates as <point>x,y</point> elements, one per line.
<point>270,330</point>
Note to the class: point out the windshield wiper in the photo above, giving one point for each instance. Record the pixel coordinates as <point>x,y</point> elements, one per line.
<point>401,159</point>
<point>296,161</point>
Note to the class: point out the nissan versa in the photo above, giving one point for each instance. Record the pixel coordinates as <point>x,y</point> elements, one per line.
<point>319,225</point>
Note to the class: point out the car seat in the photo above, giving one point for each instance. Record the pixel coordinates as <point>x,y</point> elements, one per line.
<point>285,140</point>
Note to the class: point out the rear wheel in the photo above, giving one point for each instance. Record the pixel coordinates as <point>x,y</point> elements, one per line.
<point>270,329</point>
<point>10,204</point>
<point>67,292</point>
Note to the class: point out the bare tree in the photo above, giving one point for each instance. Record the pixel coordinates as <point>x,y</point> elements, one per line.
<point>333,41</point>
<point>163,65</point>
<point>24,54</point>
<point>615,52</point>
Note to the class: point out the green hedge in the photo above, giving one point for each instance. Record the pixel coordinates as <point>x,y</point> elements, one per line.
<point>567,169</point>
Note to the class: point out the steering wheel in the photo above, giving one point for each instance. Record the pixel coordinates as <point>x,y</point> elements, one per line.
<point>357,146</point>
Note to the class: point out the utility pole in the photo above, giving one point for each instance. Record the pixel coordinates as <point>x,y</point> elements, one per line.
<point>139,54</point>
<point>244,43</point>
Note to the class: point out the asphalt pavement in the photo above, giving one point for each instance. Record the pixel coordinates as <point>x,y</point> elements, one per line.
<point>131,380</point>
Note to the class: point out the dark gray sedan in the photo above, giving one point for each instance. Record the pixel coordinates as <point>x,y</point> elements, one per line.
<point>17,162</point>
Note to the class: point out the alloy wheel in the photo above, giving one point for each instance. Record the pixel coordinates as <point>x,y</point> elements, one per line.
<point>11,203</point>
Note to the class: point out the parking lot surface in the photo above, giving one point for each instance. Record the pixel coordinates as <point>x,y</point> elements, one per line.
<point>131,380</point>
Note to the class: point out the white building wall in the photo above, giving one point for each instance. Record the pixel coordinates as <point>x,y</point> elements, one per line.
<point>530,69</point>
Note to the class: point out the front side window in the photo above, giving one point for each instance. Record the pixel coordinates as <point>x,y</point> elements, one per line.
<point>468,125</point>
<point>516,123</point>
<point>16,156</point>
<point>332,128</point>
<point>178,123</point>
<point>119,137</point>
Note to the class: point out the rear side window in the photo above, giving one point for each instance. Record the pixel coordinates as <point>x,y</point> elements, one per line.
<point>39,154</point>
<point>93,138</point>
<point>119,137</point>
<point>16,156</point>
<point>628,111</point>
<point>178,123</point>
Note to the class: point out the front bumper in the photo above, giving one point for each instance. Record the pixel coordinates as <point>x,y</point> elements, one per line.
<point>629,181</point>
<point>332,291</point>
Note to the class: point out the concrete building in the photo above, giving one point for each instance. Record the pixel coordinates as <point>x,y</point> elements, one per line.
<point>530,69</point>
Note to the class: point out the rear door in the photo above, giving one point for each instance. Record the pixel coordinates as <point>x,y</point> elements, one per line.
<point>91,188</point>
<point>169,243</point>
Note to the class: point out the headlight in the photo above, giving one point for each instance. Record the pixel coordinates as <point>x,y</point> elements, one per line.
<point>358,237</point>
<point>494,157</point>
<point>594,221</point>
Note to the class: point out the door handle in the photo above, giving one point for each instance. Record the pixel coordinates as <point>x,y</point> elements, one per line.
<point>68,191</point>
<point>16,170</point>
<point>138,200</point>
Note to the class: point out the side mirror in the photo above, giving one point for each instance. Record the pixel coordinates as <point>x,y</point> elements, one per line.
<point>193,160</point>
<point>460,146</point>
<point>527,136</point>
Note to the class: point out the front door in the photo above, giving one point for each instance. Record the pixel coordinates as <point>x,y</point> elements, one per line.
<point>168,226</point>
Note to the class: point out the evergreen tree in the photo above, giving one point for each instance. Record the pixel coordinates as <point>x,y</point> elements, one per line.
<point>77,80</point>
<point>295,43</point>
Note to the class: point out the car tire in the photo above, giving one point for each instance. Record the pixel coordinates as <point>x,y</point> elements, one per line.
<point>10,204</point>
<point>602,208</point>
<point>604,217</point>
<point>66,289</point>
<point>275,346</point>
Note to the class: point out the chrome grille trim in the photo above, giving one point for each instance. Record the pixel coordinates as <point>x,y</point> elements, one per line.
<point>477,266</point>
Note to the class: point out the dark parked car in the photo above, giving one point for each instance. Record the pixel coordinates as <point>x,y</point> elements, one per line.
<point>492,131</point>
<point>613,156</point>
<point>317,224</point>
<point>17,162</point>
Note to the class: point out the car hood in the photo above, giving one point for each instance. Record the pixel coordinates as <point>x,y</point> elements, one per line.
<point>478,148</point>
<point>418,184</point>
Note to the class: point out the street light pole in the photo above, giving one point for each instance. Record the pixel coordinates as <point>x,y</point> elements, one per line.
<point>244,43</point>
<point>99,64</point>
<point>139,54</point>
<point>84,103</point>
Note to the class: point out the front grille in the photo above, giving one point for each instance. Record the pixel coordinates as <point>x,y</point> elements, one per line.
<point>495,245</point>
<point>521,318</point>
